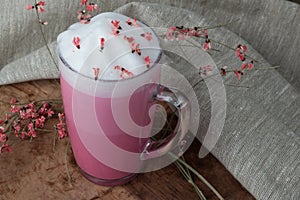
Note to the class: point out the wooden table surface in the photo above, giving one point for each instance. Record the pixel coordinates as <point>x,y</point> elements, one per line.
<point>34,171</point>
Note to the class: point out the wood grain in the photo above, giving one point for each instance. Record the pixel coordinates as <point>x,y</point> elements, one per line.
<point>34,171</point>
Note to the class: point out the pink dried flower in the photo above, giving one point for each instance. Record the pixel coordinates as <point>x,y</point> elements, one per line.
<point>3,137</point>
<point>205,70</point>
<point>204,33</point>
<point>15,109</point>
<point>41,3</point>
<point>247,66</point>
<point>207,45</point>
<point>38,6</point>
<point>223,70</point>
<point>29,7</point>
<point>7,117</point>
<point>244,65</point>
<point>23,134</point>
<point>251,65</point>
<point>41,9</point>
<point>132,23</point>
<point>240,51</point>
<point>61,117</point>
<point>193,32</point>
<point>76,42</point>
<point>61,126</point>
<point>13,101</point>
<point>43,109</point>
<point>16,126</point>
<point>92,7</point>
<point>124,72</point>
<point>40,122</point>
<point>84,19</point>
<point>31,130</point>
<point>238,74</point>
<point>5,148</point>
<point>170,33</point>
<point>50,112</point>
<point>43,22</point>
<point>83,2</point>
<point>1,121</point>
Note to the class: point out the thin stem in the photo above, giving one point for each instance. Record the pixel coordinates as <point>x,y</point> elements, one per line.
<point>53,101</point>
<point>188,177</point>
<point>11,120</point>
<point>5,103</point>
<point>44,38</point>
<point>228,71</point>
<point>233,49</point>
<point>44,130</point>
<point>54,143</point>
<point>66,162</point>
<point>218,26</point>
<point>231,85</point>
<point>198,175</point>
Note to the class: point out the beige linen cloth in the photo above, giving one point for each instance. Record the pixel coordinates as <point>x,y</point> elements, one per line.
<point>260,142</point>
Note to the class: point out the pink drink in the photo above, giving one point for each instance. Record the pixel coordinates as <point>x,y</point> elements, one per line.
<point>108,96</point>
<point>89,144</point>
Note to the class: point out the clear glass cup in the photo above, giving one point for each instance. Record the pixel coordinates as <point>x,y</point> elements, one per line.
<point>110,121</point>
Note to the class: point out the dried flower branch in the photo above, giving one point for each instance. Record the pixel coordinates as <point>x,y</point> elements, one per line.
<point>27,120</point>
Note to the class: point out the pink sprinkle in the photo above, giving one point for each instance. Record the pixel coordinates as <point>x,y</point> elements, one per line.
<point>116,24</point>
<point>135,48</point>
<point>76,42</point>
<point>96,73</point>
<point>147,61</point>
<point>129,39</point>
<point>102,41</point>
<point>147,36</point>
<point>117,67</point>
<point>115,32</point>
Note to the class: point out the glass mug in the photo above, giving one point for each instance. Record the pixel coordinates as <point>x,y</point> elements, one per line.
<point>109,119</point>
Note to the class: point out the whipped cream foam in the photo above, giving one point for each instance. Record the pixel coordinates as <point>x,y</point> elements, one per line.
<point>120,50</point>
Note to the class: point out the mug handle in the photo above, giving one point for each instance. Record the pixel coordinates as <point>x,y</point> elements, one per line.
<point>177,99</point>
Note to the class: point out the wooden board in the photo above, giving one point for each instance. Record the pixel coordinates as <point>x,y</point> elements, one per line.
<point>34,171</point>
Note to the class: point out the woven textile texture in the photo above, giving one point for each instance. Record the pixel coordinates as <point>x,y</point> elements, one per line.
<point>260,141</point>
